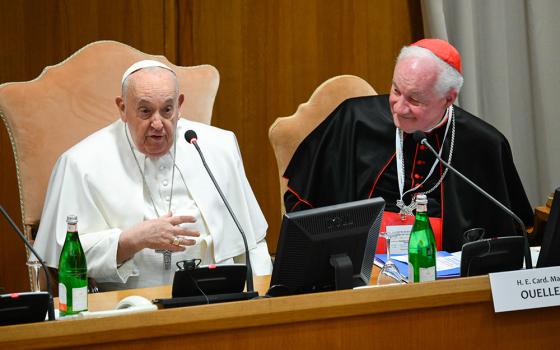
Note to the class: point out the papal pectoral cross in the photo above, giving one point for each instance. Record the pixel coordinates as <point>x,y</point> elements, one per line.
<point>406,209</point>
<point>166,258</point>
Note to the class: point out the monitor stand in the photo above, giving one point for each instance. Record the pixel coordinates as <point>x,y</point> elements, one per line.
<point>343,276</point>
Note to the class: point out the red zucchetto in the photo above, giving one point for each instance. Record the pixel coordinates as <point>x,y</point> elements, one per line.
<point>442,49</point>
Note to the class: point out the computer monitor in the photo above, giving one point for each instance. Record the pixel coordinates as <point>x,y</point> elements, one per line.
<point>550,246</point>
<point>25,307</point>
<point>327,248</point>
<point>492,255</point>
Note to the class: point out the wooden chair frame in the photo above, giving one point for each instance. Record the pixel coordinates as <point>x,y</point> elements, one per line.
<point>71,100</point>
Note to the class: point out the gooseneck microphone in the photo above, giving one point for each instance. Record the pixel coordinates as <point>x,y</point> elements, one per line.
<point>190,136</point>
<point>50,307</point>
<point>420,137</point>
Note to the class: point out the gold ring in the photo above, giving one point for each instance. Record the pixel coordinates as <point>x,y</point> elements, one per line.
<point>176,241</point>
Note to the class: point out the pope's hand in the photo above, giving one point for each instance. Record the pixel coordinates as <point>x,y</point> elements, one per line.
<point>161,233</point>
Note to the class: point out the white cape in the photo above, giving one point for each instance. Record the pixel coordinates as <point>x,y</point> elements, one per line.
<point>98,180</point>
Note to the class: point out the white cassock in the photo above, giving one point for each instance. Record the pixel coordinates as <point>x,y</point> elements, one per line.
<point>99,181</point>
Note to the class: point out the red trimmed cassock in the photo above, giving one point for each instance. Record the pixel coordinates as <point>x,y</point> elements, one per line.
<point>351,156</point>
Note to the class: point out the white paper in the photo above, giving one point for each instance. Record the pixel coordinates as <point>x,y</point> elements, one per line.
<point>442,262</point>
<point>448,262</point>
<point>399,235</point>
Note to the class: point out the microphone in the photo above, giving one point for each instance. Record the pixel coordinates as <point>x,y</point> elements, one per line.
<point>190,136</point>
<point>420,137</point>
<point>50,307</point>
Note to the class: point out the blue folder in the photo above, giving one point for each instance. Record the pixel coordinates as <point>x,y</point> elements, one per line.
<point>403,267</point>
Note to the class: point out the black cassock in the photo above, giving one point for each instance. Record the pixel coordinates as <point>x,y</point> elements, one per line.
<point>351,156</point>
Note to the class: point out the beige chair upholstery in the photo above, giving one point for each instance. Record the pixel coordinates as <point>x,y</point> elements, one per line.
<point>71,100</point>
<point>286,133</point>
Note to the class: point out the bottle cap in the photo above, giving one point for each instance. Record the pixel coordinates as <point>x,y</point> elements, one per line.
<point>421,199</point>
<point>72,219</point>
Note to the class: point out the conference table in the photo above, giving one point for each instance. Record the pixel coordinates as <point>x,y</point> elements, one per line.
<point>445,314</point>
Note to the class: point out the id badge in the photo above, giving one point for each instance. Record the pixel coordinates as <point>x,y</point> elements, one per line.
<point>399,238</point>
<point>398,230</point>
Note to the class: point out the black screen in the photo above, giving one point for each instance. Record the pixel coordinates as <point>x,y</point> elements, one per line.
<point>310,239</point>
<point>23,307</point>
<point>550,247</point>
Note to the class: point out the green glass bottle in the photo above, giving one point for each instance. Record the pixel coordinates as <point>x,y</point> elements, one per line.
<point>421,245</point>
<point>72,272</point>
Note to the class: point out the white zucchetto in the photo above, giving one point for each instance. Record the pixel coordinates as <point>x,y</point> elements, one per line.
<point>141,65</point>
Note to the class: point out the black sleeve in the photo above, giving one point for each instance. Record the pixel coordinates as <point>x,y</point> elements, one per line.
<point>317,173</point>
<point>339,160</point>
<point>517,197</point>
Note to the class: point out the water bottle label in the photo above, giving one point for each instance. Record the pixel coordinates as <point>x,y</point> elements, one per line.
<point>62,297</point>
<point>410,272</point>
<point>427,274</point>
<point>79,299</point>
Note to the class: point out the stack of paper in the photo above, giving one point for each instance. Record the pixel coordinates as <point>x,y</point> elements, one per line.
<point>447,265</point>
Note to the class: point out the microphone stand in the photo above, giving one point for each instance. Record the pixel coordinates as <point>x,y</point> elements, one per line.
<point>250,286</point>
<point>50,307</point>
<point>528,262</point>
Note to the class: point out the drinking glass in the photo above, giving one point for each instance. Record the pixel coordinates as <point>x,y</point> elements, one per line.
<point>35,266</point>
<point>389,273</point>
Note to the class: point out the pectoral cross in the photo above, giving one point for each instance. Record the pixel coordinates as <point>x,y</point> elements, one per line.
<point>166,258</point>
<point>406,209</point>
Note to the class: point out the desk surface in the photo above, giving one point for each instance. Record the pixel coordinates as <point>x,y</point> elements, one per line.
<point>109,300</point>
<point>434,314</point>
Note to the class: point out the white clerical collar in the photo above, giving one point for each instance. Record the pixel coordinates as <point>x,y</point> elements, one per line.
<point>140,156</point>
<point>441,122</point>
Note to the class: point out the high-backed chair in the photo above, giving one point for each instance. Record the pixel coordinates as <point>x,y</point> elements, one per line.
<point>71,100</point>
<point>286,133</point>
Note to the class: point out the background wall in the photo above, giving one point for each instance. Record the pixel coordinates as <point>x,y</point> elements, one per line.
<point>271,56</point>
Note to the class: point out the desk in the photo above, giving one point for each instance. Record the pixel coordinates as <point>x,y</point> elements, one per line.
<point>444,314</point>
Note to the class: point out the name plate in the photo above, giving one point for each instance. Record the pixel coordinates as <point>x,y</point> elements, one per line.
<point>525,289</point>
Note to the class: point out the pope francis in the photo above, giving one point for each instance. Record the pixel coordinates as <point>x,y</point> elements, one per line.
<point>142,196</point>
